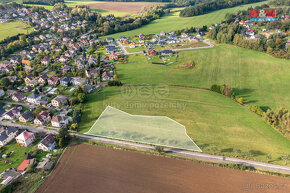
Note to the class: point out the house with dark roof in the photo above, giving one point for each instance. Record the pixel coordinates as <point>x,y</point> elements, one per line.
<point>47,144</point>
<point>18,97</point>
<point>59,101</point>
<point>7,134</point>
<point>33,98</point>
<point>65,81</point>
<point>26,117</point>
<point>42,119</point>
<point>13,113</point>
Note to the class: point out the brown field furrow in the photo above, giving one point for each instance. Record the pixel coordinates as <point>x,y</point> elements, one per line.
<point>94,169</point>
<point>129,7</point>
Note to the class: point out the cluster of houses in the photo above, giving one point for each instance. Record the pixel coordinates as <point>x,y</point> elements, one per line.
<point>24,138</point>
<point>8,14</point>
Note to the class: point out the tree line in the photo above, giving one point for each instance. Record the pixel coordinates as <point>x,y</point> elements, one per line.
<point>206,7</point>
<point>42,2</point>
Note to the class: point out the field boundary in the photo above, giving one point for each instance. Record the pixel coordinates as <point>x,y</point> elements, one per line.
<point>154,144</point>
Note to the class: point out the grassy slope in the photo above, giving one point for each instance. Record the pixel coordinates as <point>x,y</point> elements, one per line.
<point>11,29</point>
<point>260,78</point>
<point>172,21</point>
<point>213,121</point>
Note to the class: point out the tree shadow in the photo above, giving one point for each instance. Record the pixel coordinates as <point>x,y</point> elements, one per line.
<point>264,108</point>
<point>227,150</point>
<point>256,152</point>
<point>243,92</point>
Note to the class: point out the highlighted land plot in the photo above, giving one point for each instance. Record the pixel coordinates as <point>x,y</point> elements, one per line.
<point>155,130</point>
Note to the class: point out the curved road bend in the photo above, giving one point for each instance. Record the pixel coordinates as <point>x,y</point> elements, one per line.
<point>202,156</point>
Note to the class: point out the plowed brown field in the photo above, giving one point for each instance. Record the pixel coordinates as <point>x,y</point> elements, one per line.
<point>129,7</point>
<point>93,169</point>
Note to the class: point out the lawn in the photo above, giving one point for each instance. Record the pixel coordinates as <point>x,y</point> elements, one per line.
<point>17,157</point>
<point>12,28</point>
<point>215,123</point>
<point>261,79</point>
<point>172,21</point>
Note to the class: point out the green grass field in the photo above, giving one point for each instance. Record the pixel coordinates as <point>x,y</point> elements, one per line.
<point>17,157</point>
<point>12,28</point>
<point>172,21</point>
<point>216,124</point>
<point>259,78</point>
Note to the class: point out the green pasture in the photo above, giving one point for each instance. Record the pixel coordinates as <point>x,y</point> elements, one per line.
<point>13,28</point>
<point>214,122</point>
<point>259,78</point>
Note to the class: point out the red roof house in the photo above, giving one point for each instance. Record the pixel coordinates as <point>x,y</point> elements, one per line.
<point>23,165</point>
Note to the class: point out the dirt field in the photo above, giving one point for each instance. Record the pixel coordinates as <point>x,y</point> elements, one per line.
<point>129,7</point>
<point>86,168</point>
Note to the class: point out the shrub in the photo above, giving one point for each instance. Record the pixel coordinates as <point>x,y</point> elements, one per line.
<point>159,149</point>
<point>240,100</point>
<point>216,88</point>
<point>256,109</point>
<point>115,83</point>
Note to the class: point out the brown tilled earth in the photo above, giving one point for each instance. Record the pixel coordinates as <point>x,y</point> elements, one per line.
<point>130,7</point>
<point>93,169</point>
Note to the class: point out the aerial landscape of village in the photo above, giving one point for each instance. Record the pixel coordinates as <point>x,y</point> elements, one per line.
<point>144,96</point>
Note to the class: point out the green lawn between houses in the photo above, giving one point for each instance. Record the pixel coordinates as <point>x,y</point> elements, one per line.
<point>173,22</point>
<point>259,78</point>
<point>13,28</point>
<point>217,124</point>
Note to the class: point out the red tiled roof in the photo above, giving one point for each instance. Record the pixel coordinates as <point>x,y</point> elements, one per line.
<point>23,165</point>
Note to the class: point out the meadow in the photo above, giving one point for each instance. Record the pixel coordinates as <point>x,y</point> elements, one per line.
<point>12,28</point>
<point>173,22</point>
<point>259,78</point>
<point>215,123</point>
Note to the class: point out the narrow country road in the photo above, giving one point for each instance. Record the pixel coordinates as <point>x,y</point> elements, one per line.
<point>189,154</point>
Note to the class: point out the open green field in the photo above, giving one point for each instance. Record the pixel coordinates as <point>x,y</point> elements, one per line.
<point>48,7</point>
<point>157,130</point>
<point>110,12</point>
<point>259,78</point>
<point>12,28</point>
<point>173,22</point>
<point>215,123</point>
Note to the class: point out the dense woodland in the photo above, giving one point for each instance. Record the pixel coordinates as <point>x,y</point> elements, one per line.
<point>42,2</point>
<point>280,3</point>
<point>206,7</point>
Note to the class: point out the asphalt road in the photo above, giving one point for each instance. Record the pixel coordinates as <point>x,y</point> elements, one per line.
<point>202,156</point>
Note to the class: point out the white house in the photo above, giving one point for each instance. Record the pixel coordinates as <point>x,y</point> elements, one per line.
<point>7,134</point>
<point>25,139</point>
<point>33,98</point>
<point>47,144</point>
<point>2,92</point>
<point>59,121</point>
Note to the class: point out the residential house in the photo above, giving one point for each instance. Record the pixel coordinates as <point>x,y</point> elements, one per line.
<point>29,78</point>
<point>13,113</point>
<point>2,92</point>
<point>42,119</point>
<point>108,76</point>
<point>18,97</point>
<point>67,68</point>
<point>27,116</point>
<point>65,81</point>
<point>42,79</point>
<point>7,134</point>
<point>47,144</point>
<point>151,52</point>
<point>60,121</point>
<point>59,101</point>
<point>92,73</point>
<point>110,39</point>
<point>76,81</point>
<point>167,52</point>
<point>25,139</point>
<point>53,80</point>
<point>111,49</point>
<point>33,98</point>
<point>45,61</point>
